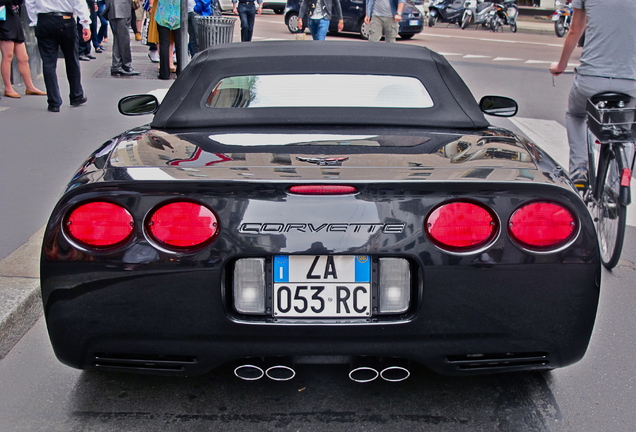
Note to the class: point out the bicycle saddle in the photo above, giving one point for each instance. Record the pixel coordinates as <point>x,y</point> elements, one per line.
<point>610,97</point>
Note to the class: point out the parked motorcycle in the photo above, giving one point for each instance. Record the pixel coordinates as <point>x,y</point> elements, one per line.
<point>504,14</point>
<point>562,17</point>
<point>448,11</point>
<point>476,12</point>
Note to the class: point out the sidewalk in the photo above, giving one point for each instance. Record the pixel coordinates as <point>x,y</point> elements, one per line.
<point>537,24</point>
<point>89,125</point>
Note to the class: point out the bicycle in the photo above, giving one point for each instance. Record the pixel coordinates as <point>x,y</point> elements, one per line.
<point>611,126</point>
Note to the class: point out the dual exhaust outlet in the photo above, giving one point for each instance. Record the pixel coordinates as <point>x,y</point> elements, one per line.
<point>361,369</point>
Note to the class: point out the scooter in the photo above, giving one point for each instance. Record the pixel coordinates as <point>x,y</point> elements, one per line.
<point>476,12</point>
<point>448,11</point>
<point>562,17</point>
<point>504,14</point>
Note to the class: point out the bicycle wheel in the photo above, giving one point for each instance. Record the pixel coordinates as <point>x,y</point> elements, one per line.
<point>612,215</point>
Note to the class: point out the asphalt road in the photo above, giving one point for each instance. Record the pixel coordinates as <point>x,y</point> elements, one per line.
<point>39,152</point>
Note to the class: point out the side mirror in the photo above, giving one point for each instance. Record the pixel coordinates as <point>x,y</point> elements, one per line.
<point>498,106</point>
<point>138,105</point>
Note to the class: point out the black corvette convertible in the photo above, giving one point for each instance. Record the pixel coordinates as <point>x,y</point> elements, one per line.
<point>354,206</point>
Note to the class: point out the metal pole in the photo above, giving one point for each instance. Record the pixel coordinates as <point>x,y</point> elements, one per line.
<point>183,52</point>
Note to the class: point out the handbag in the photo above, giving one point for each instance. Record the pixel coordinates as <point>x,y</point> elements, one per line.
<point>3,13</point>
<point>144,31</point>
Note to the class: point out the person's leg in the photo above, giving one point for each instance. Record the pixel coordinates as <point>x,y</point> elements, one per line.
<point>575,118</point>
<point>21,55</point>
<point>6,48</point>
<point>116,62</point>
<point>176,34</point>
<point>69,42</point>
<point>375,29</point>
<point>243,16</point>
<point>48,46</point>
<point>312,25</point>
<point>164,52</point>
<point>251,17</point>
<point>193,43</point>
<point>391,30</point>
<point>323,28</point>
<point>133,21</point>
<point>121,43</point>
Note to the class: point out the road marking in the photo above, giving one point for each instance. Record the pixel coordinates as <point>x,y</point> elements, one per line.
<point>475,56</point>
<point>506,59</point>
<point>559,45</point>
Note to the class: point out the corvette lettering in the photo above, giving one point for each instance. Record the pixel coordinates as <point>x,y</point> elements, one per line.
<point>275,227</point>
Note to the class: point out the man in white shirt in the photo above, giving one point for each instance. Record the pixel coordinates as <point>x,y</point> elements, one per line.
<point>55,28</point>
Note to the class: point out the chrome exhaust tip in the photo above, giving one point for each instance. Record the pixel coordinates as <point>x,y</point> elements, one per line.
<point>395,373</point>
<point>280,369</point>
<point>249,370</point>
<point>363,369</point>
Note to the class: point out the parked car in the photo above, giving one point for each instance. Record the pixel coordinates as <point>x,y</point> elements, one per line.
<point>278,6</point>
<point>353,12</point>
<point>353,205</point>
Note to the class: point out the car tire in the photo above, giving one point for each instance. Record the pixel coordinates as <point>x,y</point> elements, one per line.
<point>364,30</point>
<point>406,36</point>
<point>292,23</point>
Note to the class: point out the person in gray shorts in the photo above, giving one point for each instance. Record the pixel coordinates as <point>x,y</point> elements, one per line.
<point>608,63</point>
<point>383,17</point>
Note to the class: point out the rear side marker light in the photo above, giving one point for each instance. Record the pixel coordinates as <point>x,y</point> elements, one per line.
<point>323,190</point>
<point>461,226</point>
<point>99,224</point>
<point>542,225</point>
<point>182,225</point>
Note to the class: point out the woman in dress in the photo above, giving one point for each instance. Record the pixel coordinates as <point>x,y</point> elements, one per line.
<point>12,44</point>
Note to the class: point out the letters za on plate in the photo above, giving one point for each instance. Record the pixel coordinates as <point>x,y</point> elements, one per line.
<point>322,286</point>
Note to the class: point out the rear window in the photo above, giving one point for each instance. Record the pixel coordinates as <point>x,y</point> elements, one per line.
<point>319,90</point>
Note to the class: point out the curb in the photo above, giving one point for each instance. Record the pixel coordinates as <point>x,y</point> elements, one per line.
<point>20,298</point>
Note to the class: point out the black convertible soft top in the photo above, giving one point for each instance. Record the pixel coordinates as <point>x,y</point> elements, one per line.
<point>185,103</point>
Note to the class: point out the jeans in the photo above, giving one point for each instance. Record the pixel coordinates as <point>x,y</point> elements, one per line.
<point>99,35</point>
<point>54,33</point>
<point>193,36</point>
<point>318,28</point>
<point>583,87</point>
<point>247,14</point>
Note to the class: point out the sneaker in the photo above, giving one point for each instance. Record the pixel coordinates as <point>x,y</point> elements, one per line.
<point>84,58</point>
<point>137,36</point>
<point>153,56</point>
<point>579,177</point>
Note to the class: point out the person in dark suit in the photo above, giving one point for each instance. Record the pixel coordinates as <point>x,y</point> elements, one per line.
<point>55,30</point>
<point>118,15</point>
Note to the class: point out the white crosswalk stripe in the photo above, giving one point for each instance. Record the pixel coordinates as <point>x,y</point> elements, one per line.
<point>551,136</point>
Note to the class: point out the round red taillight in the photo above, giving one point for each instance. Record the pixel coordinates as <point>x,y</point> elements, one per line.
<point>182,225</point>
<point>461,226</point>
<point>542,225</point>
<point>323,189</point>
<point>99,224</point>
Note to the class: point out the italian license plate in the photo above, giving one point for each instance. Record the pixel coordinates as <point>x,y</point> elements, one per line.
<point>414,22</point>
<point>322,286</point>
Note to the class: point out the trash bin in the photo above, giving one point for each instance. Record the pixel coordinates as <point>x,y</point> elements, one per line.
<point>214,30</point>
